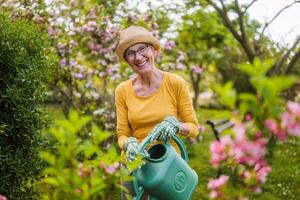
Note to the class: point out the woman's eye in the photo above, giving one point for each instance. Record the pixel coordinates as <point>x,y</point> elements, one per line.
<point>130,54</point>
<point>142,49</point>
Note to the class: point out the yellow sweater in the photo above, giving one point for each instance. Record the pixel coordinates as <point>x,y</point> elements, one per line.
<point>137,115</point>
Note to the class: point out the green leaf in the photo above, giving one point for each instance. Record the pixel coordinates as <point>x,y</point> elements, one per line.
<point>89,148</point>
<point>82,121</point>
<point>258,68</point>
<point>227,94</point>
<point>99,135</point>
<point>51,181</point>
<point>48,157</point>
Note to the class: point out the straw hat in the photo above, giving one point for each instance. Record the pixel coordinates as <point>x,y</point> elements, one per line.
<point>133,35</point>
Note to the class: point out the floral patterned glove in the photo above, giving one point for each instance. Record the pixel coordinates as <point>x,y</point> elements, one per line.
<point>166,129</point>
<point>132,148</point>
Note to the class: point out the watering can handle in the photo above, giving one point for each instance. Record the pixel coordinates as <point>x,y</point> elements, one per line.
<point>177,140</point>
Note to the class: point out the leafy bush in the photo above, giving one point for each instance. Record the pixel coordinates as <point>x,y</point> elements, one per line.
<point>79,166</point>
<point>24,67</point>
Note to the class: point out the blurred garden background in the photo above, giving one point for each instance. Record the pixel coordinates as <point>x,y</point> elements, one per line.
<point>58,72</point>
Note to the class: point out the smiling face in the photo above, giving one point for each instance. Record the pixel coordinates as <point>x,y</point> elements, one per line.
<point>141,57</point>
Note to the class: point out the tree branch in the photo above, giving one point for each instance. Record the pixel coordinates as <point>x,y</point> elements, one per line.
<point>248,6</point>
<point>278,13</point>
<point>278,65</point>
<point>223,14</point>
<point>246,44</point>
<point>293,61</point>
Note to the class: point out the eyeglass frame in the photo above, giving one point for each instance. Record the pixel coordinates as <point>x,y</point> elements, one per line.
<point>137,51</point>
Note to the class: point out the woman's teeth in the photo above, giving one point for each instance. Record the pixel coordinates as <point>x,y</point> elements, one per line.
<point>141,64</point>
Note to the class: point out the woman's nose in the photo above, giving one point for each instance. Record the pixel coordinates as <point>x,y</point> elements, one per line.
<point>138,56</point>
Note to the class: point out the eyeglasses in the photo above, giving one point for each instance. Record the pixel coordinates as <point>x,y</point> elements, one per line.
<point>130,55</point>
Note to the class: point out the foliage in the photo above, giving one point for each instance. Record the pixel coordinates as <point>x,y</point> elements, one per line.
<point>79,166</point>
<point>25,66</point>
<point>244,153</point>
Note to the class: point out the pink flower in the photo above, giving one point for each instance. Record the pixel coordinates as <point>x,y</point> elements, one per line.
<point>215,185</point>
<point>271,124</point>
<point>262,172</point>
<point>2,197</point>
<point>281,134</point>
<point>248,117</point>
<point>240,131</point>
<point>213,194</point>
<point>169,45</point>
<point>63,62</point>
<point>247,152</point>
<point>51,31</point>
<point>291,123</point>
<point>293,107</point>
<point>109,168</point>
<point>180,66</point>
<point>217,153</point>
<point>197,70</point>
<point>258,135</point>
<point>201,128</point>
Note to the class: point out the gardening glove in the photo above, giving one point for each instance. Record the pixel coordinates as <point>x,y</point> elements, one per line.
<point>132,148</point>
<point>166,129</point>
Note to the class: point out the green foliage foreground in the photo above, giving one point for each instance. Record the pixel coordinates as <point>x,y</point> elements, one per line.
<point>24,68</point>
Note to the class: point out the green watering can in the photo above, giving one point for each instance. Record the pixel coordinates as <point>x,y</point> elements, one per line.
<point>166,175</point>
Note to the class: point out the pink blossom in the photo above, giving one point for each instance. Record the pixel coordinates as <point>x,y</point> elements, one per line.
<point>213,194</point>
<point>110,169</point>
<point>271,124</point>
<point>180,66</point>
<point>217,183</point>
<point>291,123</point>
<point>201,128</point>
<point>73,62</point>
<point>102,74</point>
<point>262,172</point>
<point>51,31</point>
<point>2,197</point>
<point>91,26</point>
<point>258,135</point>
<point>79,75</point>
<point>217,153</point>
<point>197,70</point>
<point>281,134</point>
<point>248,117</point>
<point>60,46</point>
<point>218,150</point>
<point>247,152</point>
<point>169,45</point>
<point>240,131</point>
<point>293,107</point>
<point>63,62</point>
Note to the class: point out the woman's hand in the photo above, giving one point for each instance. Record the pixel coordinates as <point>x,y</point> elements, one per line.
<point>166,129</point>
<point>132,148</point>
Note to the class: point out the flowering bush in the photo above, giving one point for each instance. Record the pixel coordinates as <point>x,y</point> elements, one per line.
<point>242,153</point>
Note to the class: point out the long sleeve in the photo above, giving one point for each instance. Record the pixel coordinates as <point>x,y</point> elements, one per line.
<point>185,107</point>
<point>123,127</point>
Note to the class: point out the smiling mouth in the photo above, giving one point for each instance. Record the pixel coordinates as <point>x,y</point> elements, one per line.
<point>141,64</point>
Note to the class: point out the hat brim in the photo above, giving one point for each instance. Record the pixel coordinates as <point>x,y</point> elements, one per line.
<point>121,48</point>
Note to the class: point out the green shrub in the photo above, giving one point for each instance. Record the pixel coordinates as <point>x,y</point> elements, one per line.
<point>24,68</point>
<point>79,167</point>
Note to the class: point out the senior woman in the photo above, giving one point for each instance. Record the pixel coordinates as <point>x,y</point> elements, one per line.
<point>152,101</point>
